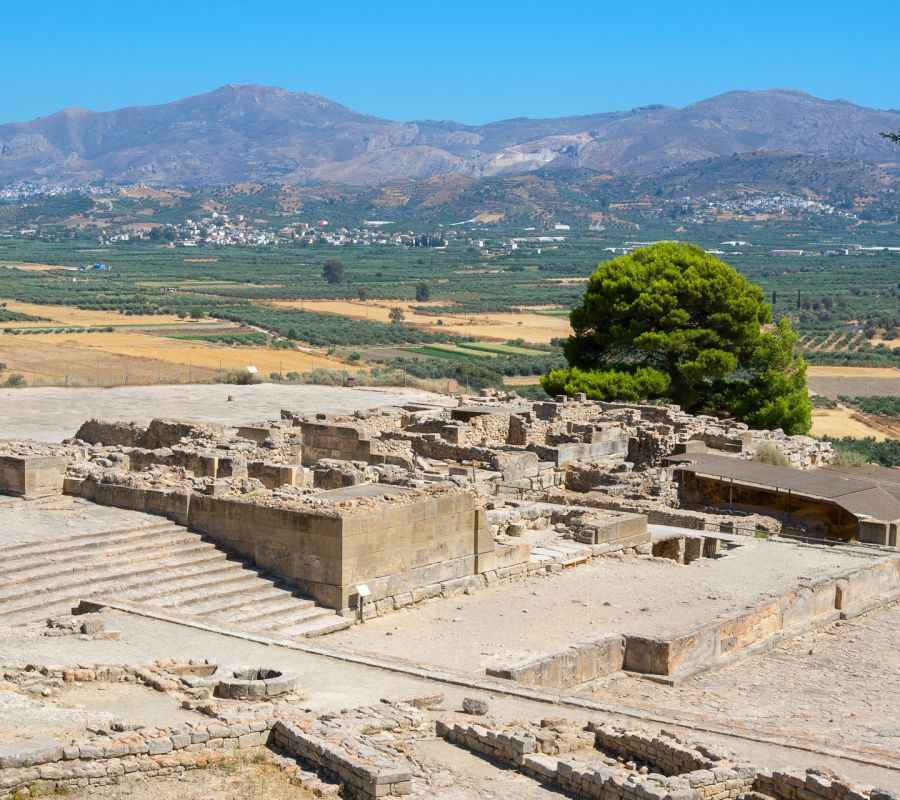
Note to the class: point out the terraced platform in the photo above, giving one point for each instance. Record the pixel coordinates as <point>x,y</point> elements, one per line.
<point>151,562</point>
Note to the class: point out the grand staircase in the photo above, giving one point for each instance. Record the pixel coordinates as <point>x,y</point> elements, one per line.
<point>160,566</point>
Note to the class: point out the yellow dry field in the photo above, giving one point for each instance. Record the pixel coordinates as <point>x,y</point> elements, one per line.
<point>876,340</point>
<point>131,357</point>
<point>522,380</point>
<point>80,317</point>
<point>531,327</point>
<point>840,422</point>
<point>852,372</point>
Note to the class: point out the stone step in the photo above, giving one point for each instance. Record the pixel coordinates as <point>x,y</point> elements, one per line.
<point>167,591</point>
<point>316,627</point>
<point>272,612</point>
<point>77,553</point>
<point>160,565</point>
<point>86,543</point>
<point>279,621</point>
<point>203,606</point>
<point>48,545</point>
<point>135,556</point>
<point>96,581</point>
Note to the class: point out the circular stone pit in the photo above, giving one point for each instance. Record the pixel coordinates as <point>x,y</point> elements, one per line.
<point>255,683</point>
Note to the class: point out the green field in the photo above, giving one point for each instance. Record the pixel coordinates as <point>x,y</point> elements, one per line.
<point>505,349</point>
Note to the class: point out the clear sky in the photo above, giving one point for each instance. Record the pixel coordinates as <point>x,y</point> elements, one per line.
<point>455,59</point>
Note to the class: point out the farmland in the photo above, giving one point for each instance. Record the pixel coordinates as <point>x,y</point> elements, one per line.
<point>488,307</point>
<point>515,324</point>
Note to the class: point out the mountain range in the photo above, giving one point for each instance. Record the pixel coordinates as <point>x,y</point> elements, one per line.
<point>265,134</point>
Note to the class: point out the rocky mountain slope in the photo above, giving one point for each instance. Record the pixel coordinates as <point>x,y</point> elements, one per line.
<point>265,134</point>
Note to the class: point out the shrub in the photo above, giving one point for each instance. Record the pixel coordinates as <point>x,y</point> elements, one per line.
<point>844,457</point>
<point>641,384</point>
<point>769,454</point>
<point>14,381</point>
<point>241,377</point>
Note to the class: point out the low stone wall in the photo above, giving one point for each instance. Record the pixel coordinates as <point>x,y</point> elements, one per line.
<point>666,753</point>
<point>509,747</point>
<point>816,784</point>
<point>31,476</point>
<point>577,664</point>
<point>343,442</point>
<point>873,531</point>
<point>274,475</point>
<point>361,777</point>
<point>49,766</point>
<point>689,773</point>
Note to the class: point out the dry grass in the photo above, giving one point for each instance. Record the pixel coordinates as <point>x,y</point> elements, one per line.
<point>522,380</point>
<point>892,343</point>
<point>529,326</point>
<point>79,317</point>
<point>137,358</point>
<point>840,422</point>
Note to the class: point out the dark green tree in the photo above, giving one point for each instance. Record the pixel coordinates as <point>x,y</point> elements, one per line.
<point>333,271</point>
<point>670,321</point>
<point>423,291</point>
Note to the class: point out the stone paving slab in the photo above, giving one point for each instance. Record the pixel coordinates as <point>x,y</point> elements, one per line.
<point>55,413</point>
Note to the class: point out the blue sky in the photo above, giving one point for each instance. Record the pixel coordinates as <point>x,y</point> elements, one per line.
<point>469,61</point>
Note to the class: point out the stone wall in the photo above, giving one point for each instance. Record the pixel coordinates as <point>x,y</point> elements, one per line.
<point>580,663</point>
<point>393,547</point>
<point>31,476</point>
<point>53,767</point>
<point>689,773</point>
<point>816,784</point>
<point>360,777</point>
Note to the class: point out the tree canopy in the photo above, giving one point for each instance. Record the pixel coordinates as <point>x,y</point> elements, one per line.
<point>333,271</point>
<point>670,321</point>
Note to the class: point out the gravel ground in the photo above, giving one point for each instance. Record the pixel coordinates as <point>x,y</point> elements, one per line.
<point>639,595</point>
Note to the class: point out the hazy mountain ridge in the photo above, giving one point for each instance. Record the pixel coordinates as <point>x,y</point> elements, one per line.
<point>270,135</point>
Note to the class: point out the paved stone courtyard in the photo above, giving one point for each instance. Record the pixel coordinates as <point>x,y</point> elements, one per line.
<point>54,413</point>
<point>634,593</point>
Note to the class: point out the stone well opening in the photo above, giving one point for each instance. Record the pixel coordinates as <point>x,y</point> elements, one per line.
<point>255,683</point>
<point>687,549</point>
